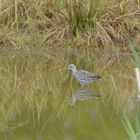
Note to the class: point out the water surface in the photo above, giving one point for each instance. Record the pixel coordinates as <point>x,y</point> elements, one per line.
<point>40,99</point>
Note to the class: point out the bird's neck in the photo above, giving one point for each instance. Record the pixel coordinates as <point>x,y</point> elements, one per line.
<point>74,70</point>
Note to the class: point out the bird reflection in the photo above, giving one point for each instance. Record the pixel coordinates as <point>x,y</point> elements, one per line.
<point>82,94</point>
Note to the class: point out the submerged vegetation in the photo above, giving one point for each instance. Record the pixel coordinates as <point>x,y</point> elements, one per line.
<point>79,23</point>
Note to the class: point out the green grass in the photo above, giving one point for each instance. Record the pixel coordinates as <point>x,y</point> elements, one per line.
<point>131,125</point>
<point>78,23</point>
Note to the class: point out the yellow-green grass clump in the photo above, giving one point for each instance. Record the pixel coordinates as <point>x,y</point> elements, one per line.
<point>28,23</point>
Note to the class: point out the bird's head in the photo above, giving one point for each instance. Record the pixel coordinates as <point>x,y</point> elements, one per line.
<point>71,67</point>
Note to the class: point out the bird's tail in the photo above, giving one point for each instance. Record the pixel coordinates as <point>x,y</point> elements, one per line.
<point>96,77</point>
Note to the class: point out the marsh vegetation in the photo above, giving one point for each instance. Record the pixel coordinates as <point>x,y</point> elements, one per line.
<point>79,23</point>
<point>39,98</point>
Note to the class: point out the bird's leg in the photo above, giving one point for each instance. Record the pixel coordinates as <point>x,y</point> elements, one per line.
<point>84,86</point>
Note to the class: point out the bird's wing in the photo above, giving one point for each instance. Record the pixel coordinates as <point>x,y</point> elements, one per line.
<point>82,74</point>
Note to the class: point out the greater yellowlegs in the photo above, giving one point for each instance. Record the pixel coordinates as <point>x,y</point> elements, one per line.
<point>83,77</point>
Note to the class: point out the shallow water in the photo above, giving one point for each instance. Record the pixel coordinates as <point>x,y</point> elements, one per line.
<point>40,99</point>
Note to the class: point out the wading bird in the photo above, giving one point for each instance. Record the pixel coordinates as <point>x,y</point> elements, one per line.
<point>83,77</point>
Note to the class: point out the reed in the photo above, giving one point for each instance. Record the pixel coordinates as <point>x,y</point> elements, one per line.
<point>131,125</point>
